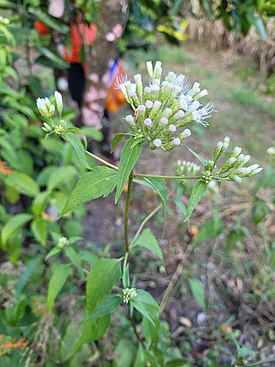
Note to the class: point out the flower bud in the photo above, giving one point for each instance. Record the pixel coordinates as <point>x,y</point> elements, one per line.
<point>172,128</point>
<point>148,122</point>
<point>157,143</point>
<point>59,102</point>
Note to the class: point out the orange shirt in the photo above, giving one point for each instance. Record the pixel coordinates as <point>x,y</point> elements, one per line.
<point>79,33</point>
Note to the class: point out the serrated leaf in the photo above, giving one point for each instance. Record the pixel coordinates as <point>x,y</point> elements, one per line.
<point>197,291</point>
<point>106,307</point>
<point>197,193</point>
<point>23,184</point>
<point>128,159</point>
<point>78,148</point>
<point>40,230</point>
<point>57,281</point>
<point>13,225</point>
<point>92,185</point>
<point>149,241</point>
<point>202,160</point>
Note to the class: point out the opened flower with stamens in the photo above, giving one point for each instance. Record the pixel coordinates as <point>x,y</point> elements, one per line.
<point>164,108</point>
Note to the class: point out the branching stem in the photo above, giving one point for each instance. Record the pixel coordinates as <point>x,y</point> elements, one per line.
<point>126,213</point>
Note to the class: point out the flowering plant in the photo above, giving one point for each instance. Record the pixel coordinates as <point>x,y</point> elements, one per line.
<point>162,110</point>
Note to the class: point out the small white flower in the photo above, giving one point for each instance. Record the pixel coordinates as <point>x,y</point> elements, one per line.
<point>180,114</point>
<point>157,143</point>
<point>167,112</point>
<point>176,141</point>
<point>149,104</point>
<point>164,121</point>
<point>220,144</point>
<point>141,108</point>
<point>130,119</point>
<point>237,179</point>
<point>154,88</point>
<point>186,133</point>
<point>148,122</point>
<point>150,68</point>
<point>232,160</point>
<point>157,104</point>
<point>147,90</point>
<point>172,128</point>
<point>237,150</point>
<point>59,102</point>
<point>257,170</point>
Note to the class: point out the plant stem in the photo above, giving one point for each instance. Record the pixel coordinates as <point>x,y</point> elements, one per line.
<point>145,175</point>
<point>102,160</point>
<point>145,220</point>
<point>126,213</point>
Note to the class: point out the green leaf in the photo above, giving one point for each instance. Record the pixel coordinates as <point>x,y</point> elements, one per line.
<point>23,184</point>
<point>101,181</point>
<point>92,132</point>
<point>160,186</point>
<point>212,228</point>
<point>57,281</point>
<point>146,297</point>
<point>197,193</point>
<point>149,241</point>
<point>117,139</point>
<point>14,225</point>
<point>140,307</point>
<point>74,258</point>
<point>104,275</point>
<point>128,159</point>
<point>78,148</point>
<point>48,20</point>
<point>202,160</point>
<point>69,340</point>
<point>62,174</point>
<point>39,202</point>
<point>197,291</point>
<point>106,307</point>
<point>56,250</point>
<point>50,59</point>
<point>40,230</point>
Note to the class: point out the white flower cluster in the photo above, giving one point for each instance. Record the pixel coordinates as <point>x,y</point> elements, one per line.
<point>47,110</point>
<point>163,107</point>
<point>62,242</point>
<point>187,168</point>
<point>234,166</point>
<point>128,294</point>
<point>4,20</point>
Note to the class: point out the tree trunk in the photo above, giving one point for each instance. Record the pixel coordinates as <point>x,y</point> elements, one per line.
<point>109,28</point>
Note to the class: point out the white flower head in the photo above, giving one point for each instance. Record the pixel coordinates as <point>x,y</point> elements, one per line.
<point>176,141</point>
<point>149,104</point>
<point>157,143</point>
<point>148,122</point>
<point>186,133</point>
<point>150,69</point>
<point>172,128</point>
<point>59,102</point>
